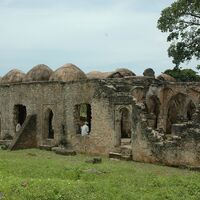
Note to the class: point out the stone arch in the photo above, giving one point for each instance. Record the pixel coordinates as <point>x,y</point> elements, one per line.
<point>180,109</point>
<point>123,123</point>
<point>167,94</point>
<point>138,93</point>
<point>48,124</point>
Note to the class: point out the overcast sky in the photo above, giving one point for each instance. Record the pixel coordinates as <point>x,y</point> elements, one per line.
<point>98,35</point>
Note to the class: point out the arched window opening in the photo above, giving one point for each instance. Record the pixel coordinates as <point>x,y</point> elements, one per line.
<point>176,111</point>
<point>125,123</point>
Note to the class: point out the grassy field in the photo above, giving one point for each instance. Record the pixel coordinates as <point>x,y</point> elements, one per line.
<point>36,174</point>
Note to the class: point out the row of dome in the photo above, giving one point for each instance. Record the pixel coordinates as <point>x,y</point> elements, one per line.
<point>41,72</point>
<point>67,72</point>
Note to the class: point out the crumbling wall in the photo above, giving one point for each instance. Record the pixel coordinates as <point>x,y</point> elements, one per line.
<point>26,137</point>
<point>146,99</point>
<point>183,148</point>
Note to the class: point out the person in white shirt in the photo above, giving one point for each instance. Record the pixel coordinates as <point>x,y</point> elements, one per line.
<point>18,127</point>
<point>84,129</point>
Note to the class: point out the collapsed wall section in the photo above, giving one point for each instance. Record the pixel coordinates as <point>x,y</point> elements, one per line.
<point>174,145</point>
<point>26,137</point>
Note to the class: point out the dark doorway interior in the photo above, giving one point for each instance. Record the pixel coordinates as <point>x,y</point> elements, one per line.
<point>50,127</point>
<point>125,123</point>
<point>89,116</point>
<point>154,108</point>
<point>20,114</point>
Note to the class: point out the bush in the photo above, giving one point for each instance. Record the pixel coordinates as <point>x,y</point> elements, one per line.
<point>183,75</point>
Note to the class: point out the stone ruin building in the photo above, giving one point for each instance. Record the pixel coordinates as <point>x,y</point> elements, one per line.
<point>142,118</point>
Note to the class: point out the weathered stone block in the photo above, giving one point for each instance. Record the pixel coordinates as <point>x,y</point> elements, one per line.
<point>65,152</point>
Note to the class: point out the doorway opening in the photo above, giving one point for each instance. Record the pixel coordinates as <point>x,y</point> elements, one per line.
<point>176,111</point>
<point>48,128</point>
<point>19,114</point>
<point>125,123</point>
<point>82,113</point>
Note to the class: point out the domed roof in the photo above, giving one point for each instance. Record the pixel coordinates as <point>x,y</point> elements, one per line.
<point>166,77</point>
<point>13,76</point>
<point>121,73</point>
<point>98,75</point>
<point>149,72</point>
<point>68,72</point>
<point>40,72</point>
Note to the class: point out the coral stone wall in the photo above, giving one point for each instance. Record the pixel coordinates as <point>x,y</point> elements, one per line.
<point>179,145</point>
<point>37,97</point>
<point>61,98</point>
<point>163,127</point>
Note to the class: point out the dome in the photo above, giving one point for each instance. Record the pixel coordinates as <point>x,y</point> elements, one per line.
<point>98,75</point>
<point>68,72</point>
<point>121,73</point>
<point>40,72</point>
<point>166,77</point>
<point>149,72</point>
<point>13,76</point>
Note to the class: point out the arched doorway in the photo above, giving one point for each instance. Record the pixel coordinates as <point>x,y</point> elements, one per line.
<point>177,111</point>
<point>48,124</point>
<point>125,123</point>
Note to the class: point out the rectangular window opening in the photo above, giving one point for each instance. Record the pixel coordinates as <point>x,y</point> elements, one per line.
<point>82,114</point>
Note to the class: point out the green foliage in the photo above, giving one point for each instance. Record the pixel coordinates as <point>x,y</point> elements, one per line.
<point>183,75</point>
<point>182,21</point>
<point>42,175</point>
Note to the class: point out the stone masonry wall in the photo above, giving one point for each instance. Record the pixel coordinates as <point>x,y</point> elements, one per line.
<point>139,95</point>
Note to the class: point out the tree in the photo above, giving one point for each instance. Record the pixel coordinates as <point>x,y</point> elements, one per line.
<point>182,21</point>
<point>183,75</point>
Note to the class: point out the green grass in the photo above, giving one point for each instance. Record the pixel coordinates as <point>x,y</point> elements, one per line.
<point>42,175</point>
